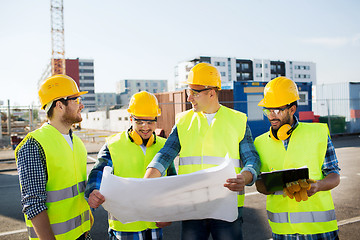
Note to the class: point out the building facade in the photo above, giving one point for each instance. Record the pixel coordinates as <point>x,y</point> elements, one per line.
<point>127,87</point>
<point>105,100</point>
<point>236,70</point>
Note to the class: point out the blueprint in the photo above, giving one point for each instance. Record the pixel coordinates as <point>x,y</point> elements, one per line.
<point>198,195</point>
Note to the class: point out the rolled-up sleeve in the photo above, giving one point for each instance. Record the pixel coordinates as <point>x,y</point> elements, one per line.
<point>249,156</point>
<point>163,159</point>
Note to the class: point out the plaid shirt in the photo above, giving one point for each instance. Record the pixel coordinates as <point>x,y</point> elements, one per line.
<point>94,182</point>
<point>31,164</point>
<point>330,165</point>
<point>248,153</point>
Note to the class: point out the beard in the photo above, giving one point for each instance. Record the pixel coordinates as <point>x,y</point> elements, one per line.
<point>285,120</point>
<point>71,117</point>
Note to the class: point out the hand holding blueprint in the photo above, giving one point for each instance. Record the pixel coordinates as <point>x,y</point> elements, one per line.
<point>198,195</point>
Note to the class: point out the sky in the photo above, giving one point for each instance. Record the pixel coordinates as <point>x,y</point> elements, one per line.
<point>142,39</point>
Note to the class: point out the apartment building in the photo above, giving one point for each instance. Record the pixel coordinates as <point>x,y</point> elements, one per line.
<point>233,70</point>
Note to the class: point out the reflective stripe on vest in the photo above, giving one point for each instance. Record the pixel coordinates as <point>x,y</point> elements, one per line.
<point>204,146</point>
<point>307,146</point>
<point>302,217</point>
<point>67,208</point>
<point>64,227</point>
<point>54,196</point>
<point>129,161</point>
<point>208,160</point>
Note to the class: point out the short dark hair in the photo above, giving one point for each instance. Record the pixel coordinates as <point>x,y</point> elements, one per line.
<point>50,113</point>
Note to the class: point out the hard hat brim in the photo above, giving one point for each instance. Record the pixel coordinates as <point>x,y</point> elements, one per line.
<point>75,95</point>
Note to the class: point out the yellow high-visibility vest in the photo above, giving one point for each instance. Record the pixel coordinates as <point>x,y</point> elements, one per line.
<point>204,146</point>
<point>307,146</point>
<point>129,161</point>
<point>68,211</point>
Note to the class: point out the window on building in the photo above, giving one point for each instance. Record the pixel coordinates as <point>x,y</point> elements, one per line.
<point>258,75</point>
<point>266,65</point>
<point>126,118</point>
<point>154,90</point>
<point>154,84</point>
<point>244,66</point>
<point>221,64</point>
<point>146,84</point>
<point>237,65</point>
<point>245,76</point>
<point>119,118</point>
<point>258,65</point>
<point>223,74</point>
<point>138,84</point>
<point>266,75</point>
<point>303,98</point>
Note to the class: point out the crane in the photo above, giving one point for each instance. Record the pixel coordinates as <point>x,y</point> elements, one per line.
<point>57,38</point>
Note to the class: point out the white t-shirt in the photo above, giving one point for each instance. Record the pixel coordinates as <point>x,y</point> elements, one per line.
<point>68,139</point>
<point>209,117</point>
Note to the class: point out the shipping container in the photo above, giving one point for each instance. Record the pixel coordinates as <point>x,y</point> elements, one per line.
<point>339,99</point>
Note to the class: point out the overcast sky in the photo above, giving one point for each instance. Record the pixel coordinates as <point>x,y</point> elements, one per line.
<point>146,39</point>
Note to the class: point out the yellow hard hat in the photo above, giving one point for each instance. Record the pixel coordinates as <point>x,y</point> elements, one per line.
<point>279,92</point>
<point>56,87</point>
<point>144,104</point>
<point>204,74</point>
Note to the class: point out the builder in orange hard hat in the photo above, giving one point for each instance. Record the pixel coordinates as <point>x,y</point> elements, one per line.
<point>51,163</point>
<point>293,144</point>
<point>128,153</point>
<point>203,136</point>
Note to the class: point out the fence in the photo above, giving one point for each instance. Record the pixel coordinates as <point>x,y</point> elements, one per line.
<point>341,115</point>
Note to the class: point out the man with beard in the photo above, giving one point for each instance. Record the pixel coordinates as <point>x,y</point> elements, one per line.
<point>203,136</point>
<point>51,164</point>
<point>128,153</point>
<point>308,212</point>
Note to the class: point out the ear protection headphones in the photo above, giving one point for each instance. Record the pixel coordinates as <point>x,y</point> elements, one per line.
<point>136,138</point>
<point>282,133</point>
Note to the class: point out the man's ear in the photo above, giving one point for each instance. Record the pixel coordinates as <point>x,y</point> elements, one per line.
<point>292,109</point>
<point>59,105</point>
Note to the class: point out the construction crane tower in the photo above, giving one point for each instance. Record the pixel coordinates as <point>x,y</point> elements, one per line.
<point>57,38</point>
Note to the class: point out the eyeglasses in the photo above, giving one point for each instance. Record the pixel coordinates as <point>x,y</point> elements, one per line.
<point>77,99</point>
<point>144,121</point>
<point>276,111</point>
<point>195,93</point>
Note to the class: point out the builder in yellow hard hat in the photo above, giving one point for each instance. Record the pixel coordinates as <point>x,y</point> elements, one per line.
<point>51,163</point>
<point>128,153</point>
<point>293,144</point>
<point>203,136</point>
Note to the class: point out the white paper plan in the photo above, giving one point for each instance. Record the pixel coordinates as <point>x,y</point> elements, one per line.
<point>198,195</point>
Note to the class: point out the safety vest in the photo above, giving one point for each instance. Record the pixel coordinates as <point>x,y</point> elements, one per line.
<point>68,211</point>
<point>307,146</point>
<point>129,161</point>
<point>204,146</point>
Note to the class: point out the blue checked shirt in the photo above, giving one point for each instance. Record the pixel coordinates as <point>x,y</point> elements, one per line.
<point>330,165</point>
<point>94,182</point>
<point>31,164</point>
<point>248,154</point>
